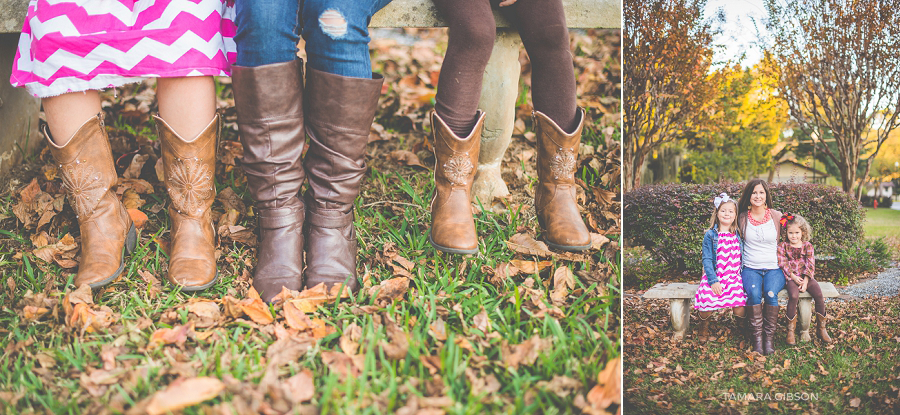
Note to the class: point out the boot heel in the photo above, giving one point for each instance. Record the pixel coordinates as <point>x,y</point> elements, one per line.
<point>130,240</point>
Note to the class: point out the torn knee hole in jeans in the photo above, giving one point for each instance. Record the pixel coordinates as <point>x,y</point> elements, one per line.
<point>333,23</point>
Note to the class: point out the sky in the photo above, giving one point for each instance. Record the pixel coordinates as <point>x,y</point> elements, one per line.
<point>739,34</point>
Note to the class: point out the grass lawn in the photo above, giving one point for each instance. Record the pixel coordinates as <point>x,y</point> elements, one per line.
<point>859,372</point>
<point>496,332</point>
<point>882,223</point>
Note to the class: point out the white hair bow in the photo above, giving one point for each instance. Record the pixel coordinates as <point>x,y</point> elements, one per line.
<point>722,198</point>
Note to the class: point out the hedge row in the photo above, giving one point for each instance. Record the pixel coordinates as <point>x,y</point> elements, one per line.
<point>669,220</point>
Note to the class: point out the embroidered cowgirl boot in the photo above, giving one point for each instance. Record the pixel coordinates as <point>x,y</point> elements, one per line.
<point>107,232</point>
<point>820,328</point>
<point>269,104</point>
<point>554,198</point>
<point>740,321</point>
<point>791,328</point>
<point>455,158</point>
<point>339,115</point>
<point>189,167</point>
<point>703,330</point>
<point>770,322</point>
<point>756,318</point>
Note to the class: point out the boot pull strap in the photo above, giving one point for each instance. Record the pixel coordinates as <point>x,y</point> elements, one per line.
<point>329,222</point>
<point>280,221</point>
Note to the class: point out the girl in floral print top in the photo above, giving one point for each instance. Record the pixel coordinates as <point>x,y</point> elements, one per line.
<point>797,258</point>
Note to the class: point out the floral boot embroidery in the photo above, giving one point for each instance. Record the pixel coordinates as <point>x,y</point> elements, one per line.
<point>190,185</point>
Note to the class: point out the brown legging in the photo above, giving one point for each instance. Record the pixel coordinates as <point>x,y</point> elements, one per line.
<point>542,27</point>
<point>794,297</point>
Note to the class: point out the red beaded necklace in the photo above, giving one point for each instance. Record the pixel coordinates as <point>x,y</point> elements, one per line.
<point>755,222</point>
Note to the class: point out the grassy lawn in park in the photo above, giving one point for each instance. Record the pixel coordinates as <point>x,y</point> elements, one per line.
<point>502,331</point>
<point>882,222</point>
<point>858,373</point>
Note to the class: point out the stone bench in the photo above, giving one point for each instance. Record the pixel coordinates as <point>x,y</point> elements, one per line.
<point>498,98</point>
<point>681,297</point>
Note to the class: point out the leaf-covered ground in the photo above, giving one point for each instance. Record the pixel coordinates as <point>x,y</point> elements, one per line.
<point>514,329</point>
<point>859,372</point>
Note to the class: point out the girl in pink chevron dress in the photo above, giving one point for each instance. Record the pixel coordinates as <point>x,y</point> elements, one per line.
<point>721,285</point>
<point>68,50</point>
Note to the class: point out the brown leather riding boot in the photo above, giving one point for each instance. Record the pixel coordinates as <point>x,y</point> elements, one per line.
<point>821,331</point>
<point>756,323</point>
<point>452,224</point>
<point>703,329</point>
<point>770,322</point>
<point>339,114</point>
<point>791,329</point>
<point>554,198</point>
<point>189,168</point>
<point>269,104</point>
<point>107,232</point>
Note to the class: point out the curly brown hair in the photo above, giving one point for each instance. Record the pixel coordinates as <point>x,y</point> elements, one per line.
<point>800,221</point>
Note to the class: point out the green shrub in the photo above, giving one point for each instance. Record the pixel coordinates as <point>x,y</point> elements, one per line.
<point>855,258</point>
<point>641,269</point>
<point>669,220</point>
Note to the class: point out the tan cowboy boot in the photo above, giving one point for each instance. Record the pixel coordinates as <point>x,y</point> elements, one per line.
<point>339,113</point>
<point>452,224</point>
<point>269,104</point>
<point>554,198</point>
<point>791,329</point>
<point>107,232</point>
<point>189,168</point>
<point>703,329</point>
<point>821,331</point>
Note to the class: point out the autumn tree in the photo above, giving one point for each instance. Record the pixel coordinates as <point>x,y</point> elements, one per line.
<point>839,71</point>
<point>746,118</point>
<point>667,58</point>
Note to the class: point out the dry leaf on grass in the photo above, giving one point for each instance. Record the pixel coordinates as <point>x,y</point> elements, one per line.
<point>342,364</point>
<point>255,308</point>
<point>598,241</point>
<point>398,346</point>
<point>563,282</point>
<point>530,267</point>
<point>300,387</point>
<point>407,158</point>
<point>62,252</point>
<point>350,339</point>
<point>80,313</point>
<point>183,393</point>
<point>139,218</point>
<point>389,290</point>
<point>176,335</point>
<point>525,244</point>
<point>31,312</point>
<point>608,389</point>
<point>524,353</point>
<point>482,322</point>
<point>309,300</point>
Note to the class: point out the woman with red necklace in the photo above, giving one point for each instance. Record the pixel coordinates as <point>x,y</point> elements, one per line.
<point>758,223</point>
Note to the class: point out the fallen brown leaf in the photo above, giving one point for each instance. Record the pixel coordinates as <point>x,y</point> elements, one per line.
<point>525,244</point>
<point>406,158</point>
<point>524,353</point>
<point>255,308</point>
<point>183,393</point>
<point>139,218</point>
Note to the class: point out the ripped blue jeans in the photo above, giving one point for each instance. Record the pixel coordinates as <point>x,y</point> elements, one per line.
<point>336,33</point>
<point>762,281</point>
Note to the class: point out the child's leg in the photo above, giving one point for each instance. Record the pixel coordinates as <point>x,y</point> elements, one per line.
<point>542,26</point>
<point>67,112</point>
<point>187,104</point>
<point>816,292</point>
<point>188,128</point>
<point>793,298</point>
<point>472,32</point>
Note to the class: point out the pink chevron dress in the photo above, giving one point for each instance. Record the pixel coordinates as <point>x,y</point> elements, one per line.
<point>79,45</point>
<point>728,269</point>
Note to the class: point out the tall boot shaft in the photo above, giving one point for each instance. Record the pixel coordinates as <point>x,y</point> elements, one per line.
<point>770,323</point>
<point>339,114</point>
<point>189,167</point>
<point>555,195</point>
<point>755,320</point>
<point>269,103</point>
<point>456,158</point>
<point>88,173</point>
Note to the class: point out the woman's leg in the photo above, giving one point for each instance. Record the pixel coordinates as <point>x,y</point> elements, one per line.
<point>188,129</point>
<point>339,102</point>
<point>752,279</point>
<point>542,27</point>
<point>773,282</point>
<point>268,97</point>
<point>81,148</point>
<point>471,40</point>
